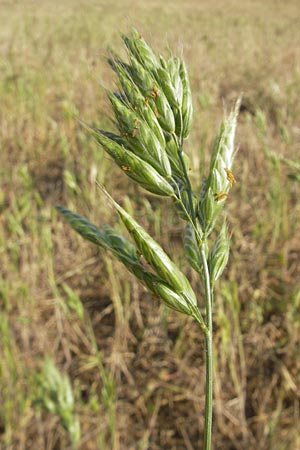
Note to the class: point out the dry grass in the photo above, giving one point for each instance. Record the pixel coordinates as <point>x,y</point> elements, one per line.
<point>136,368</point>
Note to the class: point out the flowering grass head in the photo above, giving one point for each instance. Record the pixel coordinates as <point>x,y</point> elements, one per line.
<point>153,114</point>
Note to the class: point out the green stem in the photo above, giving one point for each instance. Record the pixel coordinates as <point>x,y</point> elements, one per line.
<point>207,328</point>
<point>208,392</point>
<point>209,355</point>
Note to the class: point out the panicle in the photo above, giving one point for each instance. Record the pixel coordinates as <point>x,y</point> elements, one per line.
<point>153,112</point>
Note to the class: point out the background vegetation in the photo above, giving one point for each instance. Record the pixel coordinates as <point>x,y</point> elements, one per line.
<point>136,369</point>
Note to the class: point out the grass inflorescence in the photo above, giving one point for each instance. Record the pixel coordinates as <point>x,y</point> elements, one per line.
<point>59,299</point>
<point>153,113</point>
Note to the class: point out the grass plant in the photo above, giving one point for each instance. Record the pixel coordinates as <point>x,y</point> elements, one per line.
<point>145,359</point>
<point>54,393</point>
<point>153,116</point>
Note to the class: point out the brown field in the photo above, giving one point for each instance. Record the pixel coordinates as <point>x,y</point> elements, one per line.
<point>136,368</point>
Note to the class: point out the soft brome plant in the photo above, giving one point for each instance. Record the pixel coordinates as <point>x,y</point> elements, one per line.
<point>153,115</point>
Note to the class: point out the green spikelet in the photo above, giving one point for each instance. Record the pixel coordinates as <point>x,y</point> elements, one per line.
<point>164,81</point>
<point>173,66</point>
<point>138,47</point>
<point>172,151</point>
<point>54,393</point>
<point>173,299</point>
<point>187,106</point>
<point>156,257</point>
<point>219,254</point>
<point>83,226</point>
<point>216,188</point>
<point>174,71</point>
<point>192,248</point>
<point>138,102</point>
<point>155,95</point>
<point>143,142</point>
<point>109,239</point>
<point>147,113</point>
<point>135,168</point>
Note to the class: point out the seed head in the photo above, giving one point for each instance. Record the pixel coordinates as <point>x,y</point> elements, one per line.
<point>153,109</point>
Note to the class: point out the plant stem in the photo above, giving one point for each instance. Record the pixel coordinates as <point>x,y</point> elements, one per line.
<point>208,330</point>
<point>209,355</point>
<point>208,392</point>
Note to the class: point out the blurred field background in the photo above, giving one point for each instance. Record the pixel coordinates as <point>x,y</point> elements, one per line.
<point>137,369</point>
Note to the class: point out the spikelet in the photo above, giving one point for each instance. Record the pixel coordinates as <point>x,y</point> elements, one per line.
<point>126,252</point>
<point>138,47</point>
<point>172,150</point>
<point>157,99</point>
<point>216,188</point>
<point>138,102</point>
<point>156,256</point>
<point>164,80</point>
<point>54,393</point>
<point>187,105</point>
<point>174,71</point>
<point>135,167</point>
<point>142,141</point>
<point>192,248</point>
<point>218,256</point>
